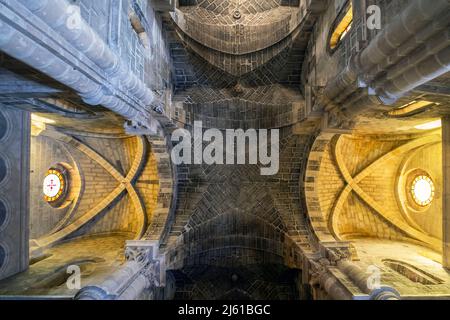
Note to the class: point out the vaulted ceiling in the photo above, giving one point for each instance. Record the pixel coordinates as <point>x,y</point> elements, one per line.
<point>239,49</point>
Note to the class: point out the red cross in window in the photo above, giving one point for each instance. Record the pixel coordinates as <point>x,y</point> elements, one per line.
<point>51,185</point>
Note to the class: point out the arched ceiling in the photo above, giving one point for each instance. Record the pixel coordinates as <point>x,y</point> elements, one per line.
<point>245,25</point>
<point>242,36</point>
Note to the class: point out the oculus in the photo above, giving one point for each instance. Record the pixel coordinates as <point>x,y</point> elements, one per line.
<point>422,190</point>
<point>54,186</point>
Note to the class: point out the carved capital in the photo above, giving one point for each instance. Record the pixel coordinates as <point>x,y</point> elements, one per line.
<point>338,254</point>
<point>146,254</point>
<point>317,270</point>
<point>141,252</point>
<point>336,251</point>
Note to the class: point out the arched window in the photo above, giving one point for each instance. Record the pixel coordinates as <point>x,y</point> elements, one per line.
<point>341,27</point>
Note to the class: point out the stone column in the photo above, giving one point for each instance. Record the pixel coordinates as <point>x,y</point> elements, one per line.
<point>446,192</point>
<point>360,278</point>
<point>144,269</point>
<point>338,257</point>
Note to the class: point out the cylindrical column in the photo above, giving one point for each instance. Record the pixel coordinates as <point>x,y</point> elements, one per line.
<point>117,285</point>
<point>335,289</point>
<point>446,192</point>
<point>415,17</point>
<point>19,45</point>
<point>417,75</point>
<point>355,274</point>
<point>61,16</point>
<point>130,97</point>
<point>399,38</point>
<point>136,288</point>
<point>360,279</point>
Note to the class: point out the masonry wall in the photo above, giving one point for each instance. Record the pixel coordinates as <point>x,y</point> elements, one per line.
<point>111,20</point>
<point>323,63</point>
<point>44,154</point>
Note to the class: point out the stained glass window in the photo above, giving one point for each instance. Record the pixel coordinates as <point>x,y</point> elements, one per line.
<point>53,186</point>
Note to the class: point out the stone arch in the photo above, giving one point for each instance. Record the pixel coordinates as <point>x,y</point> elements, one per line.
<point>253,282</point>
<point>234,238</point>
<point>163,214</point>
<point>248,17</point>
<point>315,207</point>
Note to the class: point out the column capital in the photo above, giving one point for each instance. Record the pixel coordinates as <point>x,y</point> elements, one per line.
<point>146,254</point>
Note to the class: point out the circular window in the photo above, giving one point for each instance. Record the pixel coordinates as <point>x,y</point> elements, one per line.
<point>54,185</point>
<point>422,190</point>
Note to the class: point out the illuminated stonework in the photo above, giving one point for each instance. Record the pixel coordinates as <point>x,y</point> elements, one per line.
<point>422,190</point>
<point>54,185</point>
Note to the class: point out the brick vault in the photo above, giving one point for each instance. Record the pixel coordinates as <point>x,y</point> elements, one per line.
<point>238,65</point>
